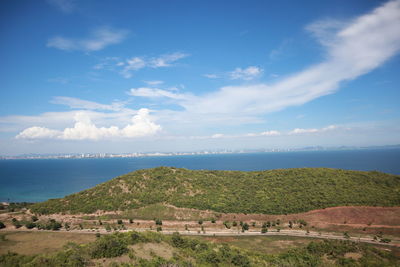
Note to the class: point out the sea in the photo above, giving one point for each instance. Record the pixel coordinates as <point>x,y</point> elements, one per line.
<point>35,180</point>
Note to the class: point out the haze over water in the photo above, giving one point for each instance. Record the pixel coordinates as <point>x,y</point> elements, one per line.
<point>39,180</point>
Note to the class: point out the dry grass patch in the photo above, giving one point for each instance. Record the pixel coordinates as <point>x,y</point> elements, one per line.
<point>149,250</point>
<point>31,243</point>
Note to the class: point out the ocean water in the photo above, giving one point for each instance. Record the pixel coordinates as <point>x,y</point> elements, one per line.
<point>41,179</point>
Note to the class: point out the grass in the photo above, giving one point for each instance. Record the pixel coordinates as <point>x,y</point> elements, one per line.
<point>155,249</point>
<point>263,244</point>
<point>31,243</point>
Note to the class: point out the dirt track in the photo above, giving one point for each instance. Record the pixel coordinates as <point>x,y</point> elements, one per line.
<point>294,233</point>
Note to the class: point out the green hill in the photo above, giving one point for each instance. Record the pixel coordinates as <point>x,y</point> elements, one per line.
<point>271,192</point>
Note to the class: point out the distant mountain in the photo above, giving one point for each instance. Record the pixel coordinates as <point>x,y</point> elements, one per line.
<point>270,192</point>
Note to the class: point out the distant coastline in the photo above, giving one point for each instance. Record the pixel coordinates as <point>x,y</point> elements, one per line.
<point>193,153</point>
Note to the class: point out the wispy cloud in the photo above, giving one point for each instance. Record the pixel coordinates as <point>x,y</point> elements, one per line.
<point>211,76</point>
<point>155,93</point>
<point>133,64</point>
<point>154,83</point>
<point>353,50</point>
<point>98,40</point>
<point>77,103</point>
<point>66,6</point>
<point>248,73</point>
<point>58,80</point>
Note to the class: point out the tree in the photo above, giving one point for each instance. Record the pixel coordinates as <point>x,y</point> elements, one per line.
<point>119,221</point>
<point>213,220</point>
<point>245,227</point>
<point>234,223</point>
<point>30,225</point>
<point>200,222</point>
<point>34,218</point>
<point>2,225</point>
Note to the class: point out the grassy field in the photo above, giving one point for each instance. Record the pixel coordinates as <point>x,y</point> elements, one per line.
<point>267,192</point>
<point>31,243</point>
<point>155,249</point>
<point>264,244</point>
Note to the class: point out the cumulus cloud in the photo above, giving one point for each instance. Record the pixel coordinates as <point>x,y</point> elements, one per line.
<point>357,48</point>
<point>84,129</point>
<point>247,74</point>
<point>313,130</point>
<point>38,133</point>
<point>98,40</point>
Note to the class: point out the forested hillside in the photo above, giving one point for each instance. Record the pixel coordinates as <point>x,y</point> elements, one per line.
<point>271,192</point>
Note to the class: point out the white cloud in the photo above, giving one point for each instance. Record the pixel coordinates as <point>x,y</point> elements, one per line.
<point>154,83</point>
<point>38,133</point>
<point>266,133</point>
<point>248,73</point>
<point>84,129</point>
<point>356,49</point>
<point>98,40</point>
<point>132,64</point>
<point>313,130</point>
<point>166,60</point>
<point>66,6</point>
<point>137,63</point>
<point>218,135</point>
<point>211,76</point>
<point>77,103</point>
<point>155,93</point>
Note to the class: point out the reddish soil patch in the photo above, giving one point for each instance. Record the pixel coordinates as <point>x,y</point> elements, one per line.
<point>379,216</point>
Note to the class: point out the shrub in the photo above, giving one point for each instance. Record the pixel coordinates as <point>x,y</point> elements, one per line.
<point>30,225</point>
<point>108,246</point>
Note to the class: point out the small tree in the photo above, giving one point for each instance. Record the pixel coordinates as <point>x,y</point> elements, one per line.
<point>30,225</point>
<point>119,221</point>
<point>264,230</point>
<point>213,220</point>
<point>158,222</point>
<point>245,227</point>
<point>2,225</point>
<point>200,222</point>
<point>346,235</point>
<point>234,223</point>
<point>159,228</point>
<point>34,218</point>
<point>130,221</point>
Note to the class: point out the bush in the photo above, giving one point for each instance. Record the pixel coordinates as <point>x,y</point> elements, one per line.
<point>30,225</point>
<point>119,221</point>
<point>108,246</point>
<point>2,225</point>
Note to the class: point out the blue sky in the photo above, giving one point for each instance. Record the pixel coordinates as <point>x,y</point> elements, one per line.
<point>137,76</point>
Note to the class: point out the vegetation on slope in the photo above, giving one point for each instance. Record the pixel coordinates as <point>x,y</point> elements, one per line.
<point>192,252</point>
<point>270,192</point>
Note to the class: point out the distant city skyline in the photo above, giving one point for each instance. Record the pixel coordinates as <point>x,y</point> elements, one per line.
<point>171,76</point>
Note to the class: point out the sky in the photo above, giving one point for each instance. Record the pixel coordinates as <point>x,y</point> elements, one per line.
<point>144,76</point>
